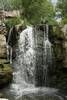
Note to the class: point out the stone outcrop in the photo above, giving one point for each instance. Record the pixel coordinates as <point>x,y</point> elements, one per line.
<point>39,53</point>
<point>2,41</point>
<point>5,68</point>
<point>58,71</point>
<point>64,29</point>
<point>56,37</point>
<point>2,46</point>
<point>5,73</point>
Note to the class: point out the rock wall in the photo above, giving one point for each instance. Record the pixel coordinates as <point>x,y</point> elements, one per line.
<point>39,53</point>
<point>5,68</point>
<point>2,41</point>
<point>2,46</point>
<point>64,30</point>
<point>57,73</point>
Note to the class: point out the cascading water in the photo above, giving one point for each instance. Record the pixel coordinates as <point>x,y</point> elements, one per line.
<point>43,55</point>
<point>33,57</point>
<point>24,63</point>
<point>9,48</point>
<point>47,53</point>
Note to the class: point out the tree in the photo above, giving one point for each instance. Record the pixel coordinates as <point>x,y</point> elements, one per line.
<point>62,7</point>
<point>37,10</point>
<point>10,4</point>
<point>33,11</point>
<point>16,4</point>
<point>4,5</point>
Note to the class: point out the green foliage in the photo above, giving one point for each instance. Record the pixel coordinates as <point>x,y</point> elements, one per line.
<point>12,22</point>
<point>64,21</point>
<point>62,7</point>
<point>5,73</point>
<point>34,11</point>
<point>16,4</point>
<point>10,4</point>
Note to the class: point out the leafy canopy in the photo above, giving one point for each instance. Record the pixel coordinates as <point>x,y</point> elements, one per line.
<point>36,11</point>
<point>33,11</point>
<point>62,7</point>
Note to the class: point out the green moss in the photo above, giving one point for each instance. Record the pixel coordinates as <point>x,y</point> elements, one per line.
<point>1,95</point>
<point>2,60</point>
<point>5,72</point>
<point>57,33</point>
<point>7,68</point>
<point>58,72</point>
<point>12,22</point>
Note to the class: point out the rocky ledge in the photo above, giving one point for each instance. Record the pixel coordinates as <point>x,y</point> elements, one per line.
<point>5,73</point>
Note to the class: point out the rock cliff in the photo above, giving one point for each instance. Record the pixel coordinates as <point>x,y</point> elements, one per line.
<point>58,71</point>
<point>5,68</point>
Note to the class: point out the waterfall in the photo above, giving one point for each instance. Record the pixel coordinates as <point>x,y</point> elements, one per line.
<point>43,55</point>
<point>9,48</point>
<point>33,54</point>
<point>33,58</point>
<point>23,76</point>
<point>47,53</point>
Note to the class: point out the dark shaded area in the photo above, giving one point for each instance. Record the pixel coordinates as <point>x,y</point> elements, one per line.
<point>5,73</point>
<point>58,72</point>
<point>13,37</point>
<point>39,50</point>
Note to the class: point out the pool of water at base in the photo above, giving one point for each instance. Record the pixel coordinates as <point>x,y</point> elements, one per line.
<point>40,93</point>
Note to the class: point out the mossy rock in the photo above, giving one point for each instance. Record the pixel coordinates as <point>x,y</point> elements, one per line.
<point>5,73</point>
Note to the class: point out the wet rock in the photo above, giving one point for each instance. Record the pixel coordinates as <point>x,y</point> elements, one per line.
<point>2,40</point>
<point>5,73</point>
<point>2,46</point>
<point>64,29</point>
<point>39,51</point>
<point>58,71</point>
<point>2,96</point>
<point>2,28</point>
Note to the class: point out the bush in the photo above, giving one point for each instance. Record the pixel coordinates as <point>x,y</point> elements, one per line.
<point>12,22</point>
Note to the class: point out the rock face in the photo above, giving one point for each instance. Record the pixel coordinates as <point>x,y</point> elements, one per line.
<point>5,68</point>
<point>2,46</point>
<point>58,74</point>
<point>5,73</point>
<point>39,52</point>
<point>2,41</point>
<point>64,29</point>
